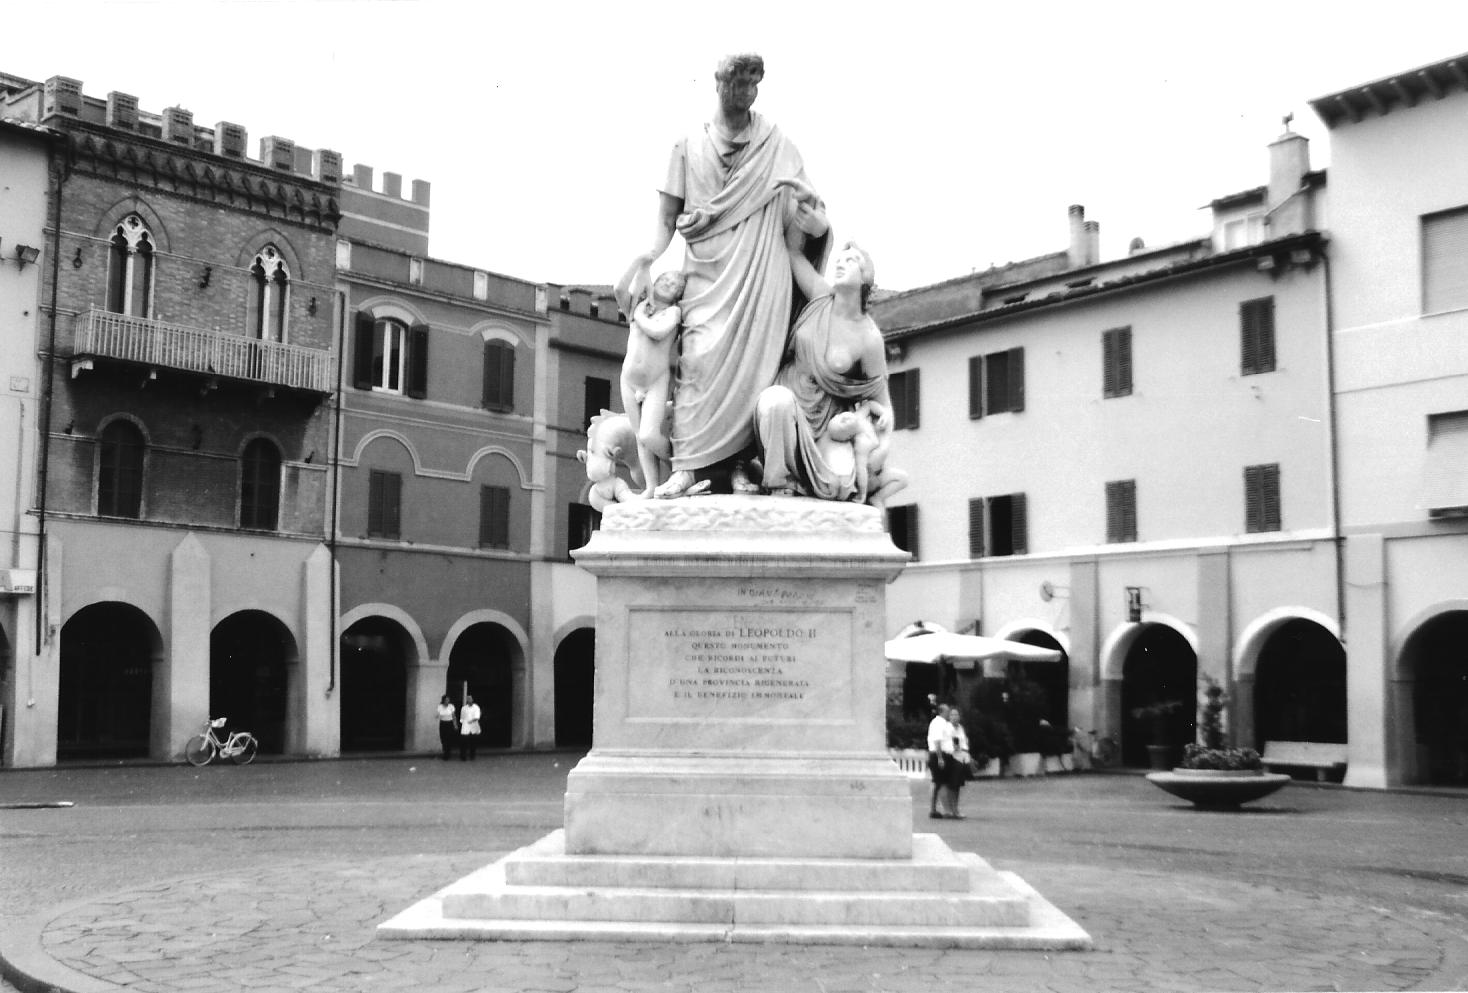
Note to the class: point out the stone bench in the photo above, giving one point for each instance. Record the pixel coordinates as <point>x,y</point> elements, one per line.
<point>1323,757</point>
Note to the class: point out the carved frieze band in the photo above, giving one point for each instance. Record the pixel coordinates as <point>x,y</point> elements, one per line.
<point>767,514</point>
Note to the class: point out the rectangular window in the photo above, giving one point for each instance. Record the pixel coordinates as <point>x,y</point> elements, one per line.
<point>581,520</point>
<point>1261,498</point>
<point>1008,525</point>
<point>996,383</point>
<point>1445,476</point>
<point>1256,332</point>
<point>1121,510</point>
<point>904,390</point>
<point>499,376</point>
<point>494,517</point>
<point>384,504</point>
<point>1116,362</point>
<point>1445,261</point>
<point>598,397</point>
<point>902,525</point>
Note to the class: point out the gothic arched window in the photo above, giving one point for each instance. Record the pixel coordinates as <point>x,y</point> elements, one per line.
<point>270,283</point>
<point>130,269</point>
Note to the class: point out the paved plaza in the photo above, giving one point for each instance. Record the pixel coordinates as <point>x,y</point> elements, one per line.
<point>272,878</point>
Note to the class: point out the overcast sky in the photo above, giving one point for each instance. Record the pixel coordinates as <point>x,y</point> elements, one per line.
<point>945,137</point>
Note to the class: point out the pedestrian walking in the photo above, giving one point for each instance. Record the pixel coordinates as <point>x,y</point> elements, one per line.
<point>469,715</point>
<point>959,770</point>
<point>448,725</point>
<point>940,756</point>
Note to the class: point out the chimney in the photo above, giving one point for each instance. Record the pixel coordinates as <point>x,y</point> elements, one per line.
<point>122,111</point>
<point>392,185</point>
<point>278,153</point>
<point>580,301</point>
<point>362,177</point>
<point>328,166</point>
<point>1093,242</point>
<point>420,192</point>
<point>229,140</point>
<point>63,95</point>
<point>178,126</point>
<point>1076,254</point>
<point>1289,161</point>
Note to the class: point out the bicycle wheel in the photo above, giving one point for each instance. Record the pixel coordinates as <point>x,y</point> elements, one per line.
<point>248,746</point>
<point>199,750</point>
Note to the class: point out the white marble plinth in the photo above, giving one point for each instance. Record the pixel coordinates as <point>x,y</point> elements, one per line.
<point>739,786</point>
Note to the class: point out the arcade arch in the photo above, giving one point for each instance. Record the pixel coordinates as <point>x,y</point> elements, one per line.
<point>575,679</point>
<point>376,654</point>
<point>1432,672</point>
<point>109,652</point>
<point>487,661</point>
<point>250,657</point>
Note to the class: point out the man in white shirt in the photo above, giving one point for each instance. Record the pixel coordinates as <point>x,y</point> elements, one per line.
<point>940,754</point>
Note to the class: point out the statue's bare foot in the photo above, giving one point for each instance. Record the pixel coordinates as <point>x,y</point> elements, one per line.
<point>782,491</point>
<point>739,480</point>
<point>677,485</point>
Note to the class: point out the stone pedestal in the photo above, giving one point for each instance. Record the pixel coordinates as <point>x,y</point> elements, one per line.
<point>739,786</point>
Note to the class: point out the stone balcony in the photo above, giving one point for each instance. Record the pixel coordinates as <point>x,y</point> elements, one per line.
<point>214,355</point>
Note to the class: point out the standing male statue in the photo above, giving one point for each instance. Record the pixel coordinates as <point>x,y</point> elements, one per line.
<point>724,196</point>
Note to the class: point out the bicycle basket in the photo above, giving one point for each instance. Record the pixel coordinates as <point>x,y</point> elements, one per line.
<point>218,722</point>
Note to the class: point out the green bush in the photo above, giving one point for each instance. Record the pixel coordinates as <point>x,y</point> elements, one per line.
<point>1197,756</point>
<point>907,732</point>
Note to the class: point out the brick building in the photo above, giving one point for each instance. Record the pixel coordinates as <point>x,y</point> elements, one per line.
<point>184,472</point>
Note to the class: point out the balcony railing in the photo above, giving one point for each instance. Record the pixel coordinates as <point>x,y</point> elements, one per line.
<point>211,353</point>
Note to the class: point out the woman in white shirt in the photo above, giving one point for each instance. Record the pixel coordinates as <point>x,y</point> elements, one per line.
<point>448,728</point>
<point>940,756</point>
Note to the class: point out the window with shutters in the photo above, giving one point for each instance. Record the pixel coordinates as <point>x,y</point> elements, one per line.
<point>1256,333</point>
<point>1116,363</point>
<point>260,486</point>
<point>120,455</point>
<point>903,388</point>
<point>996,383</point>
<point>1121,510</point>
<point>494,517</point>
<point>499,375</point>
<point>1445,261</point>
<point>130,269</point>
<point>997,526</point>
<point>384,504</point>
<point>581,520</point>
<point>598,397</point>
<point>1261,498</point>
<point>390,356</point>
<point>1445,470</point>
<point>902,525</point>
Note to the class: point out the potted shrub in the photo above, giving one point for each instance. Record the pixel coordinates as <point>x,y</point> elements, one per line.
<point>1161,751</point>
<point>1026,705</point>
<point>1056,747</point>
<point>1214,775</point>
<point>989,743</point>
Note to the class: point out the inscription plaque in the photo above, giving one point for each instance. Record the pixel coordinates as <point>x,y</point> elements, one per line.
<point>774,665</point>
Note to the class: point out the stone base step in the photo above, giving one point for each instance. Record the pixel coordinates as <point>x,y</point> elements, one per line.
<point>990,910</point>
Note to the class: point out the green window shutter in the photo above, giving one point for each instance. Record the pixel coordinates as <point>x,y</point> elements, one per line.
<point>598,397</point>
<point>384,504</point>
<point>1121,510</point>
<point>494,517</point>
<point>1445,261</point>
<point>976,528</point>
<point>1019,524</point>
<point>499,376</point>
<point>363,342</point>
<point>1016,380</point>
<point>976,386</point>
<point>417,385</point>
<point>914,397</point>
<point>1116,360</point>
<point>996,383</point>
<point>1261,498</point>
<point>1256,332</point>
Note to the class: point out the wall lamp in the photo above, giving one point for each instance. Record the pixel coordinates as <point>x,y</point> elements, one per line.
<point>25,254</point>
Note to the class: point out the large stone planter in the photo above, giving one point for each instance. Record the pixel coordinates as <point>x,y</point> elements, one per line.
<point>1218,789</point>
<point>1026,764</point>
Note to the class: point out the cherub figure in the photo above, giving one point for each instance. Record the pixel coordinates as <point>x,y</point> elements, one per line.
<point>652,324</point>
<point>862,437</point>
<point>608,440</point>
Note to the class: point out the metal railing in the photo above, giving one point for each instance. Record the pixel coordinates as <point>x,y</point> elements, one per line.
<point>213,353</point>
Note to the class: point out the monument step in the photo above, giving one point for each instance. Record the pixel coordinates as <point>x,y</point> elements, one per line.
<point>933,868</point>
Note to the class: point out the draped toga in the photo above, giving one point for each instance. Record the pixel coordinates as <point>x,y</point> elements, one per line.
<point>736,305</point>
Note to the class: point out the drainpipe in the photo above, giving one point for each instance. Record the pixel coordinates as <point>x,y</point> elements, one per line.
<point>1335,473</point>
<point>336,475</point>
<point>54,168</point>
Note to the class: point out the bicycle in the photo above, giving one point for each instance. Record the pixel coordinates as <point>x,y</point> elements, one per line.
<point>240,747</point>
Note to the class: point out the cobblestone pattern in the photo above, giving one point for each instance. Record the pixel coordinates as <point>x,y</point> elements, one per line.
<point>310,926</point>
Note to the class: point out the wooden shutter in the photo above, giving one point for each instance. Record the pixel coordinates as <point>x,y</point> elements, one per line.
<point>1445,262</point>
<point>1121,510</point>
<point>1256,330</point>
<point>996,383</point>
<point>1261,498</point>
<point>902,525</point>
<point>598,397</point>
<point>1019,524</point>
<point>499,376</point>
<point>1116,362</point>
<point>976,528</point>
<point>494,517</point>
<point>976,386</point>
<point>507,376</point>
<point>912,526</point>
<point>1016,379</point>
<point>362,345</point>
<point>914,398</point>
<point>384,504</point>
<point>417,385</point>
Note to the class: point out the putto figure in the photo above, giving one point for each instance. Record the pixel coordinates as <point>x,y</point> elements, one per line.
<point>652,330</point>
<point>723,193</point>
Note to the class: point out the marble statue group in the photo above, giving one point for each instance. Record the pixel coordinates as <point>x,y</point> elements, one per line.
<point>720,386</point>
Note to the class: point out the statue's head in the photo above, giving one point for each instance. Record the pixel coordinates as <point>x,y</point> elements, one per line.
<point>852,264</point>
<point>737,79</point>
<point>668,287</point>
<point>843,426</point>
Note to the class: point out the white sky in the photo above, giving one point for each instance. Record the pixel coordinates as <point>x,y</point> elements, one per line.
<point>944,136</point>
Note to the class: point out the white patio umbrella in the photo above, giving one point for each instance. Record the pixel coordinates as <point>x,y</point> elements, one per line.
<point>964,650</point>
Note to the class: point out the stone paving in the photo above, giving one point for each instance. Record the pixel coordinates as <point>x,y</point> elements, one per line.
<point>310,926</point>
